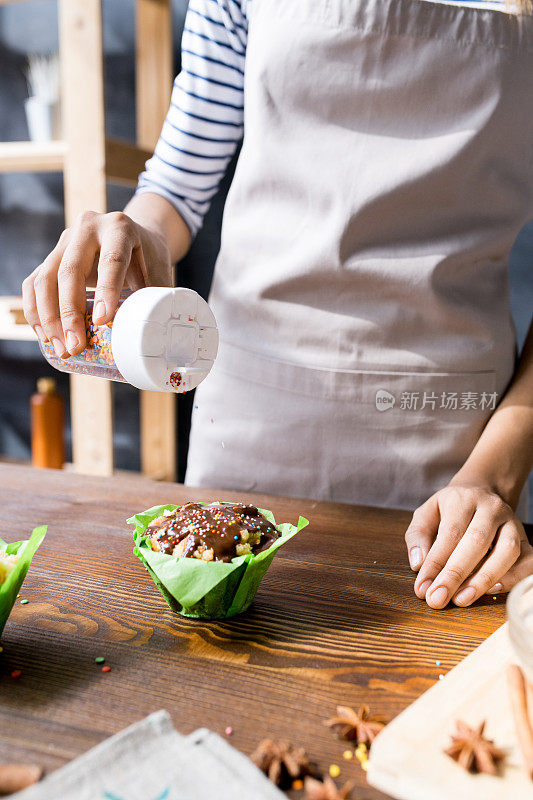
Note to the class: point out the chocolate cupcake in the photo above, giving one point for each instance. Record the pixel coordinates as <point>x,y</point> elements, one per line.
<point>213,532</point>
<point>208,559</point>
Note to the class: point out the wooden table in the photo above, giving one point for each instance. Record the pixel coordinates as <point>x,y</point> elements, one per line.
<point>335,621</point>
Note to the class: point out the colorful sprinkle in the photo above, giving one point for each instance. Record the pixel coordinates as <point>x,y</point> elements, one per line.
<point>99,659</point>
<point>228,731</point>
<point>24,602</point>
<point>297,784</point>
<point>97,349</point>
<point>361,754</point>
<point>441,676</point>
<point>334,770</point>
<point>1,649</point>
<point>175,380</point>
<point>494,597</point>
<point>437,663</point>
<point>106,669</point>
<point>16,673</point>
<point>348,755</point>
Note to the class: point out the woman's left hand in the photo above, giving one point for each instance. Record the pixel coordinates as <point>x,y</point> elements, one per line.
<point>465,541</point>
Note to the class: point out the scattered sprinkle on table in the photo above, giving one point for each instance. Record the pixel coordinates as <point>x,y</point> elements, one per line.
<point>99,659</point>
<point>334,770</point>
<point>228,731</point>
<point>212,420</point>
<point>106,669</point>
<point>348,755</point>
<point>16,673</point>
<point>297,784</point>
<point>222,443</point>
<point>361,754</point>
<point>24,602</point>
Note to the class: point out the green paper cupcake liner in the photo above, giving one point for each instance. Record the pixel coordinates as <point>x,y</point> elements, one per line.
<point>25,551</point>
<point>207,589</point>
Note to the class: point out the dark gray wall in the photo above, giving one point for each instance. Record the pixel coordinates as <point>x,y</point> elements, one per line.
<point>31,217</point>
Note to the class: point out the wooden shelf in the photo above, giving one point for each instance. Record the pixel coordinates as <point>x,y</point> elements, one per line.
<point>13,326</point>
<point>124,161</point>
<point>32,156</point>
<point>16,333</point>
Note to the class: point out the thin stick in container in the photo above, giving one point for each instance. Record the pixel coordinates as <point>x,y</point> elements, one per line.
<point>517,685</point>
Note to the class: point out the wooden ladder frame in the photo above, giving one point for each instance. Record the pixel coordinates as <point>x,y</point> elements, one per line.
<point>88,161</point>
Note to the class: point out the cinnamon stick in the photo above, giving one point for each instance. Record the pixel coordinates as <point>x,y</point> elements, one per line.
<point>517,685</point>
<point>14,777</point>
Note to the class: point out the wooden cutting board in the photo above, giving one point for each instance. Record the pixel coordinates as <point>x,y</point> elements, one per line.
<point>407,759</point>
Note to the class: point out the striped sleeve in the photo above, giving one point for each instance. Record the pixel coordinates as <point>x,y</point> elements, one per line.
<point>204,123</point>
<point>495,5</point>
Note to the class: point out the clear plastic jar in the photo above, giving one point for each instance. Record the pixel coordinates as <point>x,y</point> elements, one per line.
<point>161,339</point>
<point>520,615</point>
<point>97,358</point>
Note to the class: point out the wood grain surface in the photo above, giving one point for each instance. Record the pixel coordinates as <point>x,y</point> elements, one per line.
<point>335,621</point>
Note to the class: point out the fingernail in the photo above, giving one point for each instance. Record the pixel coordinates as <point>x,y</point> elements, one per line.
<point>439,596</point>
<point>40,333</point>
<point>58,346</point>
<point>465,596</point>
<point>415,557</point>
<point>498,587</point>
<point>423,587</point>
<point>72,341</point>
<point>99,310</point>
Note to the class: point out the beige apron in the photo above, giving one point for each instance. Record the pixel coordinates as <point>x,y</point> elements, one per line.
<point>361,290</point>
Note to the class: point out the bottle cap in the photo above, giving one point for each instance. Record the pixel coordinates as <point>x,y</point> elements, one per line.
<point>164,339</point>
<point>46,385</point>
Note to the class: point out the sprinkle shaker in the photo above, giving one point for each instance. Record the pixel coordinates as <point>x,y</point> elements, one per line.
<point>161,339</point>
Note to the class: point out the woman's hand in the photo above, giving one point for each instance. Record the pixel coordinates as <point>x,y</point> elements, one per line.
<point>465,541</point>
<point>109,251</point>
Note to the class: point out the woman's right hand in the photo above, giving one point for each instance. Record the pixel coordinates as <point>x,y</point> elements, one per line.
<point>109,251</point>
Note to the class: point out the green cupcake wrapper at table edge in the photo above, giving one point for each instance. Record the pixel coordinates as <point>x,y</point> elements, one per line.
<point>11,586</point>
<point>207,589</point>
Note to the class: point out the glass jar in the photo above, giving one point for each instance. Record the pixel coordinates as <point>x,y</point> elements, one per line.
<point>161,339</point>
<point>520,615</point>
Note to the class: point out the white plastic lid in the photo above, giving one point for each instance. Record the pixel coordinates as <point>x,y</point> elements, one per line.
<point>164,340</point>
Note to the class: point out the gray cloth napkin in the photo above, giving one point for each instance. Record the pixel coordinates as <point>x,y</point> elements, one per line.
<point>150,760</point>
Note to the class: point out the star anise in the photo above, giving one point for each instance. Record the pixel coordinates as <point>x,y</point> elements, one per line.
<point>359,727</point>
<point>473,751</point>
<point>316,790</point>
<point>281,761</point>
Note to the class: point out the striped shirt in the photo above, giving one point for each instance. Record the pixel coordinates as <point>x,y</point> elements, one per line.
<point>204,123</point>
